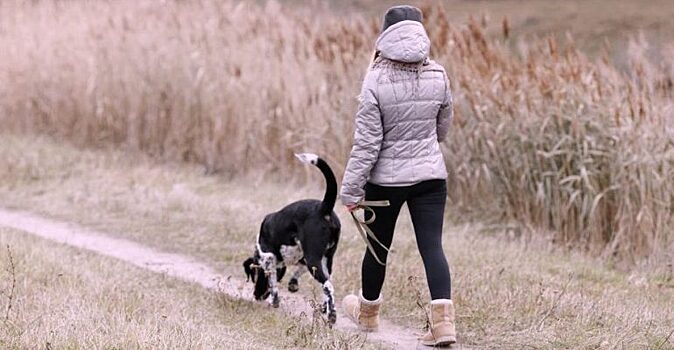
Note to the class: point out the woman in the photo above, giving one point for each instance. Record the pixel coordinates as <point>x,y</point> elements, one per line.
<point>404,113</point>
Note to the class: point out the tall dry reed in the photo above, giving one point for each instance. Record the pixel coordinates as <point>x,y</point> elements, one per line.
<point>543,135</point>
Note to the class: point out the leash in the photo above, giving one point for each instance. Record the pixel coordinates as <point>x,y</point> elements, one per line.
<point>364,230</point>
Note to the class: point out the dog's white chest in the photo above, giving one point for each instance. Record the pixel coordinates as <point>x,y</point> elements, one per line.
<point>291,254</point>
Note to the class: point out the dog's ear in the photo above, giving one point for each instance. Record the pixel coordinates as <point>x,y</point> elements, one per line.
<point>248,269</point>
<point>261,291</point>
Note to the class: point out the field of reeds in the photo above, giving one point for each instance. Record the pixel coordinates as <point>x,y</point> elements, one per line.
<point>545,137</point>
<point>511,293</point>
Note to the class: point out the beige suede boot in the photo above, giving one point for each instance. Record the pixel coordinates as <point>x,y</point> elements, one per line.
<point>364,313</point>
<point>442,331</point>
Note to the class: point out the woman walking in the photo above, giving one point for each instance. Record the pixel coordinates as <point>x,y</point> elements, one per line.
<point>404,113</point>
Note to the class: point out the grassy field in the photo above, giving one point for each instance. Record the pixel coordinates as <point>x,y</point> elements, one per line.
<point>512,290</point>
<point>56,297</point>
<point>173,124</point>
<point>546,137</point>
<point>588,21</point>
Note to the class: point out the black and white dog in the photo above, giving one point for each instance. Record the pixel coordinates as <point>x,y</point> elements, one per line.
<point>306,233</point>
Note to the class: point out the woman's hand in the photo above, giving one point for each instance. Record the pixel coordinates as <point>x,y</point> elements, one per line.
<point>351,207</point>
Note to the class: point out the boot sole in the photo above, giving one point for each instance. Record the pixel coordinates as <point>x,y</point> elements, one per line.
<point>361,327</point>
<point>442,341</point>
<point>368,329</point>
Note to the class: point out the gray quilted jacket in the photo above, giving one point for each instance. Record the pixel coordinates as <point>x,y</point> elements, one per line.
<point>404,113</point>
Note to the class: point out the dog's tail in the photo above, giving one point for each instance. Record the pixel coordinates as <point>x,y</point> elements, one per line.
<point>331,183</point>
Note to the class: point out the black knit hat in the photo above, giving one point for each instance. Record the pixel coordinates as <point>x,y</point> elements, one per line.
<point>401,13</point>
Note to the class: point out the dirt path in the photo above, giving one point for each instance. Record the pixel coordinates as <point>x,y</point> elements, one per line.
<point>184,268</point>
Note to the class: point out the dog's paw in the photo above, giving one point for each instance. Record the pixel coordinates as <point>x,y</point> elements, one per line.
<point>293,286</point>
<point>332,317</point>
<point>329,311</point>
<point>262,297</point>
<point>275,301</point>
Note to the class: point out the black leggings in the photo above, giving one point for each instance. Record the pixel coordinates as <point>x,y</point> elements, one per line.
<point>426,203</point>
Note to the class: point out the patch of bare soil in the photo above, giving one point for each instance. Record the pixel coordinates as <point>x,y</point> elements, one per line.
<point>186,269</point>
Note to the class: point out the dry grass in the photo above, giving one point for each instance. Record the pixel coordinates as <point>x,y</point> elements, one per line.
<point>512,291</point>
<point>544,136</point>
<point>588,21</point>
<point>69,299</point>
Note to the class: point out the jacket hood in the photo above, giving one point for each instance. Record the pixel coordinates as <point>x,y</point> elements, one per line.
<point>405,41</point>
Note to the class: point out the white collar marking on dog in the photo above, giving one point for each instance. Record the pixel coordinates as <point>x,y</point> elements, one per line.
<point>324,266</point>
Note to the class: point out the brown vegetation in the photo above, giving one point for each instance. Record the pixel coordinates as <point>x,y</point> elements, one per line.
<point>510,292</point>
<point>543,136</point>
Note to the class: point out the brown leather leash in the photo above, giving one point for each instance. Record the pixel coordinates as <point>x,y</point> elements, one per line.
<point>364,230</point>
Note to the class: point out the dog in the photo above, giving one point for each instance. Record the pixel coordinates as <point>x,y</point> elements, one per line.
<point>304,233</point>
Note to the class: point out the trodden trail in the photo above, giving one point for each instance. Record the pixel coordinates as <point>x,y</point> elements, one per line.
<point>184,268</point>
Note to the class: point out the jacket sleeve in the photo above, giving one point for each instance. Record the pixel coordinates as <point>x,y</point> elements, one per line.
<point>366,144</point>
<point>446,112</point>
